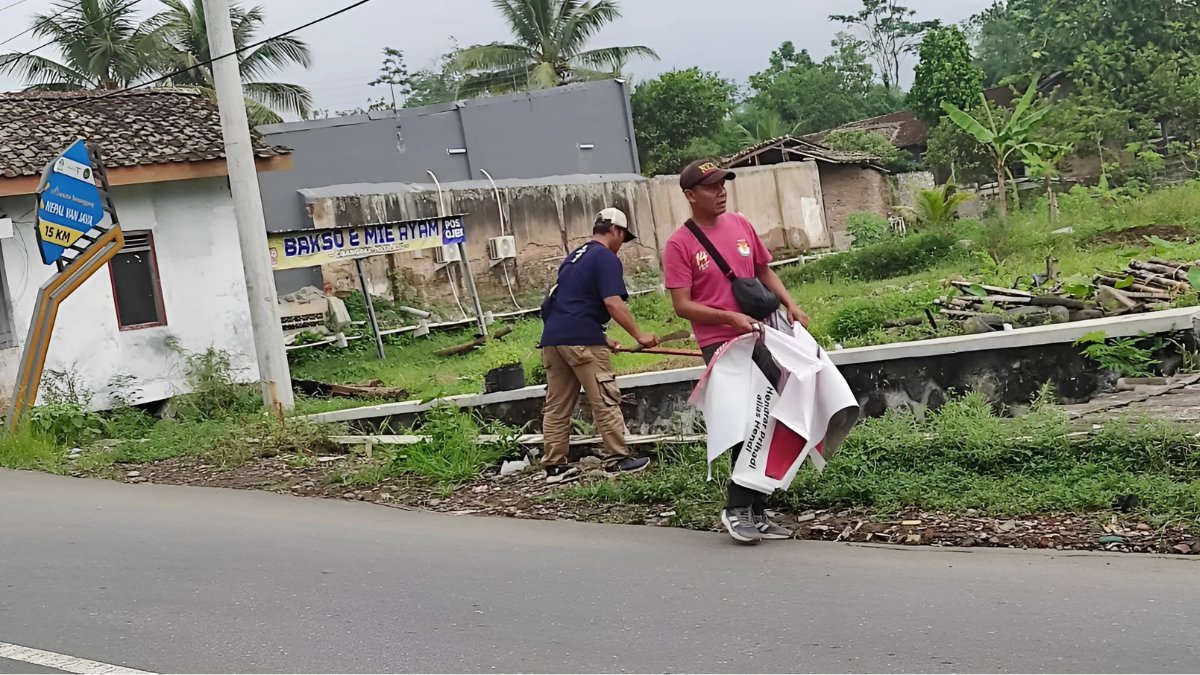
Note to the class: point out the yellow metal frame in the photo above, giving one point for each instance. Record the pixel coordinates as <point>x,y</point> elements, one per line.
<point>50,296</point>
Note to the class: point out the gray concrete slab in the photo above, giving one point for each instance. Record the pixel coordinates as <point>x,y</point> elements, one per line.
<point>175,579</point>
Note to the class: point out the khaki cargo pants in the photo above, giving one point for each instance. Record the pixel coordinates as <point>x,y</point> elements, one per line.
<point>566,369</point>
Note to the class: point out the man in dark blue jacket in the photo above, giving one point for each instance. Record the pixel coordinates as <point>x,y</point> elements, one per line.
<point>576,350</point>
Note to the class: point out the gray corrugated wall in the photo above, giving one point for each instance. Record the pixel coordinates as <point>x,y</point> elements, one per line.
<point>524,135</point>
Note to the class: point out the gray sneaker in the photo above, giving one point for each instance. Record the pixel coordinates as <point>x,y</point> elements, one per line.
<point>770,530</point>
<point>739,522</point>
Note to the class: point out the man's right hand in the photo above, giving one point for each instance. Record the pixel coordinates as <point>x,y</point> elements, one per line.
<point>648,340</point>
<point>742,323</point>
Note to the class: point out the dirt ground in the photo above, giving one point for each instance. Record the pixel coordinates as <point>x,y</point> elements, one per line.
<point>1134,236</point>
<point>525,495</point>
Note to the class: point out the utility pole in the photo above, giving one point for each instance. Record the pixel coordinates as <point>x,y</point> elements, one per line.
<point>247,205</point>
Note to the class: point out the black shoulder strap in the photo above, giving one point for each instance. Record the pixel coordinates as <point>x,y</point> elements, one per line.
<point>708,246</point>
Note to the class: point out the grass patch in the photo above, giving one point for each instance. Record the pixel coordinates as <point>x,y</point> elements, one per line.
<point>29,449</point>
<point>962,457</point>
<point>450,456</point>
<point>412,365</point>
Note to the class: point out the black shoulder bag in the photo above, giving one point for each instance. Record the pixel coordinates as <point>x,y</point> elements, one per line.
<point>756,300</point>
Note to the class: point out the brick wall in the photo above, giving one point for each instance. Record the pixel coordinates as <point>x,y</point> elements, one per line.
<point>850,189</point>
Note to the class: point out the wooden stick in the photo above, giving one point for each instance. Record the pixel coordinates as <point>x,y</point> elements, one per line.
<point>672,352</point>
<point>993,289</point>
<point>477,342</point>
<point>669,337</point>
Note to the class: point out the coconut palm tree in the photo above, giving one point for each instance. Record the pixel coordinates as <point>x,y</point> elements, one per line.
<point>186,36</point>
<point>103,43</point>
<point>548,50</point>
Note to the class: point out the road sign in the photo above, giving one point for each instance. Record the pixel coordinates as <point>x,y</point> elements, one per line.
<point>73,199</point>
<point>69,202</point>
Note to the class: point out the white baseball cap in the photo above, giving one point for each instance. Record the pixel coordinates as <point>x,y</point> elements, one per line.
<point>615,216</point>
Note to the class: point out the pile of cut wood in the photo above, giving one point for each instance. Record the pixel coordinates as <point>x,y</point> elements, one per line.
<point>1145,284</point>
<point>1142,286</point>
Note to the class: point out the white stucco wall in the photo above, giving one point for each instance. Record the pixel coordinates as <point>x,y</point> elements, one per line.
<point>203,286</point>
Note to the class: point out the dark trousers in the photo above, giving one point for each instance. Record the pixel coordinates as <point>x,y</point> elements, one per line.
<point>741,497</point>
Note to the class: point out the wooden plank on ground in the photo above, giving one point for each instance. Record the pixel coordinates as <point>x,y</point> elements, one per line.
<point>526,439</point>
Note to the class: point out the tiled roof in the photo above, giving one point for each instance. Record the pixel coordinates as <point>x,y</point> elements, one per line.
<point>902,129</point>
<point>789,147</point>
<point>905,130</point>
<point>133,128</point>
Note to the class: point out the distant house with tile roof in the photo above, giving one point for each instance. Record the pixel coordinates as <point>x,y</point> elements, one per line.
<point>851,182</point>
<point>179,279</point>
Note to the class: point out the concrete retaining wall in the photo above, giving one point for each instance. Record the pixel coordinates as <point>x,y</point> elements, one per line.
<point>1008,367</point>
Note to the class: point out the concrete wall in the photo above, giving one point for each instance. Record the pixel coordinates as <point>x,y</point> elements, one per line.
<point>1007,367</point>
<point>545,220</point>
<point>204,293</point>
<point>783,202</point>
<point>523,135</point>
<point>850,189</point>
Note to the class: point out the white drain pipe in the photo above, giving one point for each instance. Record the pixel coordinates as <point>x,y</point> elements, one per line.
<point>500,210</point>
<point>449,267</point>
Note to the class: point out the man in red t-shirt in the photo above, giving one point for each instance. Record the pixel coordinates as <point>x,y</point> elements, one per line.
<point>702,294</point>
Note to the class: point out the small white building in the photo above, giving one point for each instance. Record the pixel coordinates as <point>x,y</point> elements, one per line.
<point>178,280</point>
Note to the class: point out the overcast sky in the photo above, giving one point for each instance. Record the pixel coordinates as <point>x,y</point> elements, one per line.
<point>731,37</point>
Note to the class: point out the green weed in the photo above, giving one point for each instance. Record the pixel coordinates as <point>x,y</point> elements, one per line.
<point>964,456</point>
<point>452,453</point>
<point>30,449</point>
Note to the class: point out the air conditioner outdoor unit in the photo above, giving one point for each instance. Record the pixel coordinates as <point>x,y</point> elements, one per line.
<point>502,248</point>
<point>446,254</point>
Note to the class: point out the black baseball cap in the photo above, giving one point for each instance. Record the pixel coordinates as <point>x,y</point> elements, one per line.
<point>703,172</point>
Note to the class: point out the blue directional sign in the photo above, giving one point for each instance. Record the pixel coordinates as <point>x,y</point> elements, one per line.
<point>69,203</point>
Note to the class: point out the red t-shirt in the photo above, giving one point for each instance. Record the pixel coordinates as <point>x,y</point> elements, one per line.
<point>687,265</point>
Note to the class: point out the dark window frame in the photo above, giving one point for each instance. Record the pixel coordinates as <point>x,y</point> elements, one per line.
<point>159,305</point>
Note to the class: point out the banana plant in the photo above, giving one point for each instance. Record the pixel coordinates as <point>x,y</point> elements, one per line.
<point>1045,164</point>
<point>1003,138</point>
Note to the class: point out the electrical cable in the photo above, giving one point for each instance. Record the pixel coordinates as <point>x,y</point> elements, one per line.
<point>168,76</point>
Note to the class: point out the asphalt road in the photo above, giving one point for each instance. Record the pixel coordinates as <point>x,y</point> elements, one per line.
<point>171,579</point>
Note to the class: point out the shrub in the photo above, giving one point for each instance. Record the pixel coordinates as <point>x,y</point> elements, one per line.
<point>862,316</point>
<point>215,391</point>
<point>868,228</point>
<point>69,424</point>
<point>896,257</point>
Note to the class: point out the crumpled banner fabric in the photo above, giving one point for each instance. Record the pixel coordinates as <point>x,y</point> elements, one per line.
<point>807,415</point>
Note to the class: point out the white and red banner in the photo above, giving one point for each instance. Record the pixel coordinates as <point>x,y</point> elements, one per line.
<point>806,415</point>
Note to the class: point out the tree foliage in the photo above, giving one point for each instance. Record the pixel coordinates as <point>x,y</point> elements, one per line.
<point>890,33</point>
<point>105,45</point>
<point>681,116</point>
<point>549,47</point>
<point>440,83</point>
<point>946,73</point>
<point>809,96</point>
<point>185,35</point>
<point>1129,52</point>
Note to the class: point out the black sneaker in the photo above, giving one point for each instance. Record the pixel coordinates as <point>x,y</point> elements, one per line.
<point>739,522</point>
<point>629,465</point>
<point>770,530</point>
<point>560,473</point>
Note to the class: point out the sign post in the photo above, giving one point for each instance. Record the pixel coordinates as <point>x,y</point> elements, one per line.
<point>309,248</point>
<point>362,282</point>
<point>73,198</point>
